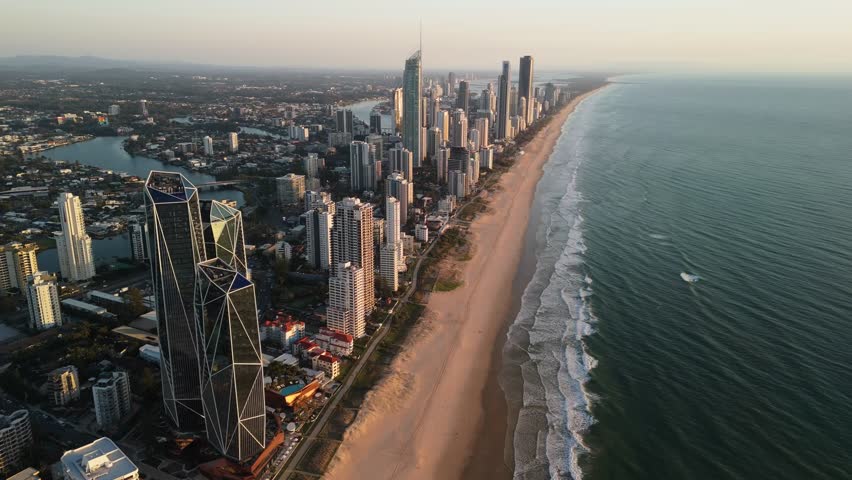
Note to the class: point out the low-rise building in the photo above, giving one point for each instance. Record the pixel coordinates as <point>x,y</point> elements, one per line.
<point>335,342</point>
<point>327,363</point>
<point>101,460</point>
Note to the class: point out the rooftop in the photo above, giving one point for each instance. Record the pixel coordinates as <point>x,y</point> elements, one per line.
<point>100,460</point>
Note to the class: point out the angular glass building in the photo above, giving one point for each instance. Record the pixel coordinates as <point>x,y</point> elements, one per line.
<point>177,245</point>
<point>223,234</point>
<point>232,377</point>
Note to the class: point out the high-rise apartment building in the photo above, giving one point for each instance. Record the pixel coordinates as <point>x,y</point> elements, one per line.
<point>398,187</point>
<point>291,189</point>
<point>459,135</point>
<point>232,367</point>
<point>483,126</point>
<point>348,302</point>
<point>208,146</point>
<point>412,106</point>
<point>73,244</point>
<point>233,142</point>
<point>17,262</point>
<point>402,161</point>
<point>311,165</point>
<point>138,241</point>
<point>143,107</point>
<point>434,142</point>
<point>344,121</point>
<point>463,97</point>
<point>390,253</point>
<point>63,385</point>
<point>43,301</point>
<point>352,241</point>
<point>320,219</point>
<point>525,88</point>
<point>111,393</point>
<point>16,440</point>
<point>397,103</point>
<point>176,243</point>
<point>503,86</point>
<point>458,184</point>
<point>359,158</point>
<point>442,164</point>
<point>114,110</point>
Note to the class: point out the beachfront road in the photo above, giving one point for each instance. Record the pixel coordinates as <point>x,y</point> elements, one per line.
<point>305,445</point>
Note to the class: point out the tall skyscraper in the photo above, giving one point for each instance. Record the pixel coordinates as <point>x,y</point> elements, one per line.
<point>73,244</point>
<point>525,87</point>
<point>320,218</point>
<point>17,262</point>
<point>208,146</point>
<point>344,121</point>
<point>444,125</point>
<point>138,241</point>
<point>176,244</point>
<point>398,187</point>
<point>222,227</point>
<point>233,142</point>
<point>232,367</point>
<point>352,241</point>
<point>143,107</point>
<point>402,160</point>
<point>434,141</point>
<point>482,125</point>
<point>451,84</point>
<point>311,164</point>
<point>359,158</point>
<point>463,97</point>
<point>391,250</point>
<point>376,122</point>
<point>459,136</point>
<point>412,104</point>
<point>442,164</point>
<point>43,301</point>
<point>347,299</point>
<point>503,102</point>
<point>397,103</point>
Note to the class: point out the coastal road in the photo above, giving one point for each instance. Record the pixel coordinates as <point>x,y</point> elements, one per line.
<point>305,445</point>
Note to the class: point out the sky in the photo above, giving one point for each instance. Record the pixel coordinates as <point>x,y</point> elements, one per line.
<point>627,35</point>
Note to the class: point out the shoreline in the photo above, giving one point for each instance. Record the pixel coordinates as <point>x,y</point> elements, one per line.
<point>432,416</point>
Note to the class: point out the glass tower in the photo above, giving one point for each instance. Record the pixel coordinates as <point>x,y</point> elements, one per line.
<point>412,94</point>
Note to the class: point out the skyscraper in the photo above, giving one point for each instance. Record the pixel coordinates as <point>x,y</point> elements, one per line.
<point>233,142</point>
<point>73,244</point>
<point>463,97</point>
<point>359,158</point>
<point>347,299</point>
<point>17,263</point>
<point>390,251</point>
<point>143,107</point>
<point>111,393</point>
<point>138,241</point>
<point>223,234</point>
<point>434,142</point>
<point>311,164</point>
<point>320,218</point>
<point>442,164</point>
<point>176,244</point>
<point>344,121</point>
<point>397,103</point>
<point>459,136</point>
<point>483,127</point>
<point>402,160</point>
<point>43,301</point>
<point>208,146</point>
<point>412,104</point>
<point>352,241</point>
<point>232,367</point>
<point>525,88</point>
<point>503,102</point>
<point>398,187</point>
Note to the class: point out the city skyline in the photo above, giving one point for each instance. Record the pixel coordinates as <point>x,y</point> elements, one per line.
<point>613,35</point>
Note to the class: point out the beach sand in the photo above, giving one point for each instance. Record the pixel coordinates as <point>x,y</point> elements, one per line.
<point>440,412</point>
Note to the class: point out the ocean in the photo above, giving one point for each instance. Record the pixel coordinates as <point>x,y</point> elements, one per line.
<point>616,365</point>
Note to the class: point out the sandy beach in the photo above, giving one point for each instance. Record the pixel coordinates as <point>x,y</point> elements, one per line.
<point>440,412</point>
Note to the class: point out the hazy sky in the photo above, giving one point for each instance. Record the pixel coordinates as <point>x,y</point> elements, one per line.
<point>743,35</point>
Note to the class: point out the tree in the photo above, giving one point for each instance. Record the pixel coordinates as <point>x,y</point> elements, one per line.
<point>135,302</point>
